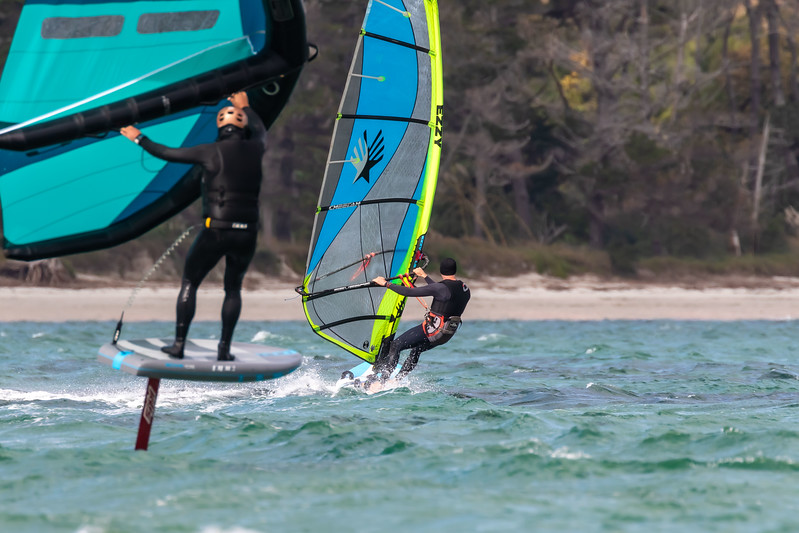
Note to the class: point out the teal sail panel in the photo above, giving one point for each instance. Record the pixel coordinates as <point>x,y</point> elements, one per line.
<point>78,70</point>
<point>51,43</point>
<point>378,189</point>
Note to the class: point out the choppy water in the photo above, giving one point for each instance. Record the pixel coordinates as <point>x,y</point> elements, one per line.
<point>518,426</point>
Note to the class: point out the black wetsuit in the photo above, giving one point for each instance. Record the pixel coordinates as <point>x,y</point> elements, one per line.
<point>230,186</point>
<point>449,299</point>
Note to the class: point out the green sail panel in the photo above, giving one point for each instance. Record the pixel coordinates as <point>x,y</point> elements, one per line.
<point>78,70</point>
<point>380,180</point>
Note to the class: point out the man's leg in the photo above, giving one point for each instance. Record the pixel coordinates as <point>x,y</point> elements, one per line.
<point>184,311</point>
<point>383,365</point>
<point>386,365</point>
<point>422,345</point>
<point>411,360</point>
<point>200,260</point>
<point>236,263</point>
<point>411,338</point>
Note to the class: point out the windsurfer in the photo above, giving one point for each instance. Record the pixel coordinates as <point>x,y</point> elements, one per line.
<point>230,187</point>
<point>450,297</point>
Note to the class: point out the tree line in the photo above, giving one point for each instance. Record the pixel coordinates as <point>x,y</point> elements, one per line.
<point>638,127</point>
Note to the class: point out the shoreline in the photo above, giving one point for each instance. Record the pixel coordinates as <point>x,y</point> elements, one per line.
<point>527,297</point>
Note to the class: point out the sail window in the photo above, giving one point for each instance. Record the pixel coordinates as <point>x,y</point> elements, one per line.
<point>179,21</point>
<point>79,27</point>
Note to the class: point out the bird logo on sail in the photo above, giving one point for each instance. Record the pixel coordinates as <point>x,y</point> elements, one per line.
<point>364,159</point>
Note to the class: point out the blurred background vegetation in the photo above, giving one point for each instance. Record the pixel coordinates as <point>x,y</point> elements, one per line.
<point>649,138</point>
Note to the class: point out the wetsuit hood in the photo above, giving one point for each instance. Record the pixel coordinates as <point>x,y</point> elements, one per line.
<point>448,267</point>
<point>231,132</point>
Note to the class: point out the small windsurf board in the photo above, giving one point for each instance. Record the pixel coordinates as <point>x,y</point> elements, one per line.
<point>363,378</point>
<point>253,362</point>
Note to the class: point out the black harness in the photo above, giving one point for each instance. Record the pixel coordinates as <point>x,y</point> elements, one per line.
<point>444,317</point>
<point>214,223</point>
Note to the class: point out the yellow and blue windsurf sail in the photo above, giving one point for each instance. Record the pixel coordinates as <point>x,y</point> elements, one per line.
<point>79,70</point>
<point>378,189</point>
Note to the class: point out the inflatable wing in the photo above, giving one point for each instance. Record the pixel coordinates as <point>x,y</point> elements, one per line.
<point>79,70</point>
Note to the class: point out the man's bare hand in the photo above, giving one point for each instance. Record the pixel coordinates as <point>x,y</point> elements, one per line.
<point>239,99</point>
<point>419,272</point>
<point>131,132</point>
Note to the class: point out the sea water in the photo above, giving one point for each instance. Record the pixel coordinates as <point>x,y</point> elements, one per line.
<point>631,426</point>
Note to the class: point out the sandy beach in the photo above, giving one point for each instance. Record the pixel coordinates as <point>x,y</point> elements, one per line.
<point>528,297</point>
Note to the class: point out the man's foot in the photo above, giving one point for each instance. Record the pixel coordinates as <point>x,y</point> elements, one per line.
<point>175,351</point>
<point>223,352</point>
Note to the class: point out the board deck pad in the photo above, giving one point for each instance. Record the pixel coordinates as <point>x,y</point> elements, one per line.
<point>254,362</point>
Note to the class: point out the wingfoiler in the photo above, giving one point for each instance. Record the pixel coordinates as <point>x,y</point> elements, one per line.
<point>77,71</point>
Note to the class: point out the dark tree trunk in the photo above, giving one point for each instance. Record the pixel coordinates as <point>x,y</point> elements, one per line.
<point>521,200</point>
<point>754,64</point>
<point>284,210</point>
<point>596,225</point>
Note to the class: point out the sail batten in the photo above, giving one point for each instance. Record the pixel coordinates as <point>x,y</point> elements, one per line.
<point>377,193</point>
<point>386,117</point>
<point>370,202</point>
<point>397,42</point>
<point>370,318</point>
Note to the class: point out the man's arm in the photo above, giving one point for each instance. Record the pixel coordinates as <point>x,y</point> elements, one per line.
<point>419,271</point>
<point>439,291</point>
<point>256,125</point>
<point>198,155</point>
<point>192,154</point>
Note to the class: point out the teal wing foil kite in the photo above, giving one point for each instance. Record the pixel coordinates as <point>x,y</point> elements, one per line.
<point>79,70</point>
<point>378,189</point>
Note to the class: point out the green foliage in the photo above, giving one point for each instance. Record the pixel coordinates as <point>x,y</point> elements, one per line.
<point>266,262</point>
<point>682,238</point>
<point>476,258</point>
<point>774,238</point>
<point>672,268</point>
<point>645,151</point>
<point>632,138</point>
<point>623,252</point>
<point>294,256</point>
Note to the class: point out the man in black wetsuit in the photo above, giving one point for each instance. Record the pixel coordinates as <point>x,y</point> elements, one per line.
<point>231,183</point>
<point>450,297</point>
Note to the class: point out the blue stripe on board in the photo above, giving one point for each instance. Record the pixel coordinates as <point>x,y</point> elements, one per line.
<point>118,360</point>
